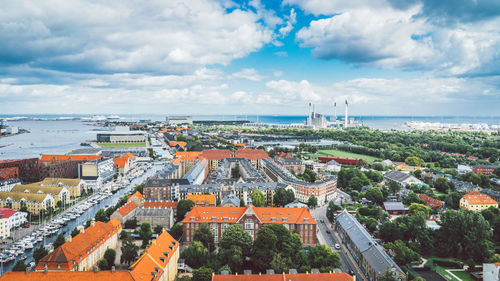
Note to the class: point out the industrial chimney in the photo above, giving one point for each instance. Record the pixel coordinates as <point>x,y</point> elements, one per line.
<point>346,121</point>
<point>335,112</point>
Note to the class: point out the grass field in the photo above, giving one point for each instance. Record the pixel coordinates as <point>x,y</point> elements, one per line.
<point>118,145</point>
<point>463,275</point>
<point>340,153</point>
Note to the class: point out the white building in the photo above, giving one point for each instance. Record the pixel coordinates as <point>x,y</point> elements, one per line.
<point>10,219</point>
<point>7,185</point>
<point>96,173</point>
<point>179,120</point>
<point>463,169</point>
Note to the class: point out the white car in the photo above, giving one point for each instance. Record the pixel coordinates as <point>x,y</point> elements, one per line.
<point>337,246</point>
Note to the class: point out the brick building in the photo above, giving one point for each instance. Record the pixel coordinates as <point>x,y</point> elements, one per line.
<point>251,219</point>
<point>9,173</point>
<point>484,169</point>
<point>28,168</point>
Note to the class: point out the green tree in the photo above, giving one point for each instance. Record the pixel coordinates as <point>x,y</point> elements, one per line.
<point>130,223</point>
<point>312,202</point>
<point>387,276</point>
<point>75,232</point>
<point>158,229</point>
<point>331,210</point>
<point>101,216</point>
<point>176,231</point>
<point>19,266</point>
<point>59,240</point>
<point>183,207</point>
<point>205,236</point>
<point>416,207</point>
<point>414,161</point>
<point>103,264</point>
<point>496,172</point>
<point>39,253</point>
<point>375,195</point>
<point>233,257</point>
<point>265,248</point>
<point>202,274</point>
<point>390,231</point>
<point>145,233</point>
<point>394,187</point>
<point>323,258</point>
<point>402,254</point>
<point>412,198</point>
<point>442,184</point>
<point>196,254</point>
<point>242,202</point>
<point>129,251</point>
<point>283,196</point>
<point>234,235</point>
<point>258,199</point>
<point>110,256</point>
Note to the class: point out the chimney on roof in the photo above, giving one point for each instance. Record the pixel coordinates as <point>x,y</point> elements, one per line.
<point>92,222</point>
<point>81,228</point>
<point>68,238</point>
<point>46,268</point>
<point>113,268</point>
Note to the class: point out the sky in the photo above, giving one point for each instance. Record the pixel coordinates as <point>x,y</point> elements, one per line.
<point>386,57</point>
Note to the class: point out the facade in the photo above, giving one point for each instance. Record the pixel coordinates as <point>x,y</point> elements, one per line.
<point>155,216</point>
<point>251,219</point>
<point>202,199</point>
<point>476,201</point>
<point>179,120</point>
<point>75,186</point>
<point>97,172</point>
<point>7,185</point>
<point>122,137</point>
<point>62,165</point>
<point>82,252</point>
<point>9,173</point>
<point>198,173</point>
<point>28,168</point>
<point>4,228</point>
<point>59,193</point>
<point>291,163</point>
<point>162,189</point>
<point>286,277</point>
<point>215,156</point>
<point>15,218</point>
<point>125,212</point>
<point>370,257</point>
<point>483,169</point>
<point>431,202</point>
<point>325,190</point>
<point>34,202</point>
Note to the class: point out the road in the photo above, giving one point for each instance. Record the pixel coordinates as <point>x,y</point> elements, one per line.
<point>88,214</point>
<point>346,260</point>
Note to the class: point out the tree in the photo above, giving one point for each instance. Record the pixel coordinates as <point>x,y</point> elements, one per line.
<point>442,184</point>
<point>176,231</point>
<point>412,198</point>
<point>129,251</point>
<point>202,274</point>
<point>389,231</point>
<point>196,254</point>
<point>110,256</point>
<point>375,195</point>
<point>265,248</point>
<point>103,265</point>
<point>59,204</point>
<point>283,196</point>
<point>59,240</point>
<point>242,202</point>
<point>258,199</point>
<point>233,257</point>
<point>416,207</point>
<point>234,235</point>
<point>101,216</point>
<point>39,253</point>
<point>75,232</point>
<point>19,266</point>
<point>130,223</point>
<point>312,202</point>
<point>145,233</point>
<point>205,236</point>
<point>414,161</point>
<point>331,210</point>
<point>323,258</point>
<point>496,172</point>
<point>402,254</point>
<point>183,207</point>
<point>158,229</point>
<point>387,276</point>
<point>394,187</point>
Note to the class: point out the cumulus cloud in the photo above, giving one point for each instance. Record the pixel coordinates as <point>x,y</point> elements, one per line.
<point>248,73</point>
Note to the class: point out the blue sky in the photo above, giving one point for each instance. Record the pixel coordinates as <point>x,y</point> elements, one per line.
<point>387,57</point>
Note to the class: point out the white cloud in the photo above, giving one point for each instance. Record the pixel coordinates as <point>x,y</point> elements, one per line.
<point>248,73</point>
<point>292,19</point>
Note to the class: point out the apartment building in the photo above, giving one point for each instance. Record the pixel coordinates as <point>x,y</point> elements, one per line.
<point>476,201</point>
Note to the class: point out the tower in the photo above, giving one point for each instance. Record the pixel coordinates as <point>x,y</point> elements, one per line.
<point>346,121</point>
<point>335,112</point>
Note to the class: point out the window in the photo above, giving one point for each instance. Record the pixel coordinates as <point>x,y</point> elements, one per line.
<point>249,224</point>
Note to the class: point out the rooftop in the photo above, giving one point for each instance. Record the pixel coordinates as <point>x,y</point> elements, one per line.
<point>286,277</point>
<point>127,208</point>
<point>69,275</point>
<point>160,204</point>
<point>5,213</point>
<point>476,197</point>
<point>202,199</point>
<point>65,157</point>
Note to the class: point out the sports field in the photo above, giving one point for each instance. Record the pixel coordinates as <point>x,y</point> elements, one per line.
<point>118,145</point>
<point>340,153</point>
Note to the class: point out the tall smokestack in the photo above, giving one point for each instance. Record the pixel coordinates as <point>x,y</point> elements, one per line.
<point>309,122</point>
<point>346,121</point>
<point>335,111</point>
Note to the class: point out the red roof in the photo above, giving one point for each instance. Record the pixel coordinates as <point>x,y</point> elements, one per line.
<point>475,197</point>
<point>138,195</point>
<point>64,157</point>
<point>70,275</point>
<point>251,154</point>
<point>202,214</point>
<point>216,154</point>
<point>283,155</point>
<point>127,208</point>
<point>160,204</point>
<point>431,202</point>
<point>6,213</point>
<point>286,277</point>
<point>340,160</point>
<point>120,162</point>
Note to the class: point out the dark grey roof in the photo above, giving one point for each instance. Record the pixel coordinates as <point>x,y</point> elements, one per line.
<point>286,176</point>
<point>153,212</point>
<point>231,199</point>
<point>289,161</point>
<point>396,176</point>
<point>165,182</point>
<point>373,253</point>
<point>394,206</point>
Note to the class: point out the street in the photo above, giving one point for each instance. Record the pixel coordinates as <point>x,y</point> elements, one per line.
<point>346,260</point>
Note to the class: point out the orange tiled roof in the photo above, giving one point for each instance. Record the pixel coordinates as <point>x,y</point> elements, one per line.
<point>283,155</point>
<point>156,256</point>
<point>476,197</point>
<point>160,204</point>
<point>138,195</point>
<point>69,275</point>
<point>188,155</point>
<point>250,153</point>
<point>80,246</point>
<point>127,208</point>
<point>64,157</point>
<point>202,214</point>
<point>431,202</point>
<point>286,277</point>
<point>128,155</point>
<point>120,162</point>
<point>239,144</point>
<point>202,199</point>
<point>216,154</point>
<point>180,143</point>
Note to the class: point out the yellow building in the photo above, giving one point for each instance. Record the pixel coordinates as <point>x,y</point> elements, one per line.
<point>58,193</point>
<point>476,201</point>
<point>75,186</point>
<point>34,202</point>
<point>160,259</point>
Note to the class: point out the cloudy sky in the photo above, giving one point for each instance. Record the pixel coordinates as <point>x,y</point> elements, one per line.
<point>387,57</point>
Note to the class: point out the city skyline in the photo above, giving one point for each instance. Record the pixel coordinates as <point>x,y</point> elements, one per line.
<point>416,58</point>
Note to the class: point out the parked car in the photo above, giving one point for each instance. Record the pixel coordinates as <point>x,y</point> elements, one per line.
<point>337,246</point>
<point>328,231</point>
<point>26,225</point>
